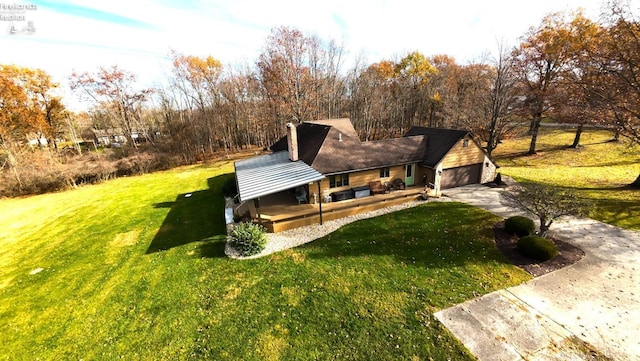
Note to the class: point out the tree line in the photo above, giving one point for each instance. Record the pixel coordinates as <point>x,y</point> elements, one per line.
<point>568,68</point>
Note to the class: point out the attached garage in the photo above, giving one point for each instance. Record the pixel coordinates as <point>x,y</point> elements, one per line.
<point>460,176</point>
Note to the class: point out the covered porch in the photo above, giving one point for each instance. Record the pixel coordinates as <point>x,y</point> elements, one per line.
<point>282,194</point>
<point>280,211</point>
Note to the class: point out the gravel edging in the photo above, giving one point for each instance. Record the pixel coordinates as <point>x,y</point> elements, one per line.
<point>277,242</point>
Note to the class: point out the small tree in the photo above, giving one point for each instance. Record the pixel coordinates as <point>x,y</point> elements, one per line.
<point>248,238</point>
<point>546,202</point>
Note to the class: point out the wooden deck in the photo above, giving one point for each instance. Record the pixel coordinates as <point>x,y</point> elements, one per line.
<point>279,213</point>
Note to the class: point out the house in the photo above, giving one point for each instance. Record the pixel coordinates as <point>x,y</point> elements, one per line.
<point>324,164</point>
<point>109,136</point>
<point>116,136</point>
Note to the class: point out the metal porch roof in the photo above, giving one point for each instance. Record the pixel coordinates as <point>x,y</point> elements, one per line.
<point>272,173</point>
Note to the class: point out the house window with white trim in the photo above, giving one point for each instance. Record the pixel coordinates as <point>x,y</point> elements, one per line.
<point>465,143</point>
<point>339,180</point>
<point>384,172</point>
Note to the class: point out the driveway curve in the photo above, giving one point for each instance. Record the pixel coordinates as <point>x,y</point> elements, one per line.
<point>594,303</point>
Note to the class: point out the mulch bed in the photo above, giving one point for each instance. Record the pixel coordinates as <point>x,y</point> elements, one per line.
<point>567,253</point>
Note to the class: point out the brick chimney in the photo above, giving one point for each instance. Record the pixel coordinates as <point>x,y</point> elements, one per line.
<point>292,142</point>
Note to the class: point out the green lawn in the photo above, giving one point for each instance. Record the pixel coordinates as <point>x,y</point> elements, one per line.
<point>598,171</point>
<point>134,269</point>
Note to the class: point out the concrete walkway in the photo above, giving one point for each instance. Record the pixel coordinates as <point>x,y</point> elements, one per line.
<point>596,300</point>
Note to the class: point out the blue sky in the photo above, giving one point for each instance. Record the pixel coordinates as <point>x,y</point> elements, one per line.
<point>97,15</point>
<point>73,35</point>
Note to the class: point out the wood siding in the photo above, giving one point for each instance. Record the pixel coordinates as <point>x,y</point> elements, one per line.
<point>362,178</point>
<point>459,155</point>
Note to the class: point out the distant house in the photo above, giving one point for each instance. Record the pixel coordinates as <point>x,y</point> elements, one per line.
<point>109,136</point>
<point>325,161</point>
<point>114,136</point>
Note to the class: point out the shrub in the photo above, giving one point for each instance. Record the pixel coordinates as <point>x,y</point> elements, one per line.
<point>537,247</point>
<point>248,238</point>
<point>520,226</point>
<point>42,171</point>
<point>498,179</point>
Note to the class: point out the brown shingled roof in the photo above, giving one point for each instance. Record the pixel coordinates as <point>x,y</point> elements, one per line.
<point>310,139</point>
<point>333,146</point>
<point>347,156</point>
<point>439,142</point>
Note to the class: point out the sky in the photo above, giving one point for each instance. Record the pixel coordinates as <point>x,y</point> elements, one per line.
<point>61,37</point>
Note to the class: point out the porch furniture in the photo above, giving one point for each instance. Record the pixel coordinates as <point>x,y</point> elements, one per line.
<point>359,192</point>
<point>424,195</point>
<point>301,194</point>
<point>377,187</point>
<point>398,184</point>
<point>342,195</point>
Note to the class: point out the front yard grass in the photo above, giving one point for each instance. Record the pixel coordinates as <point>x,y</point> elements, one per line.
<point>134,269</point>
<point>598,171</point>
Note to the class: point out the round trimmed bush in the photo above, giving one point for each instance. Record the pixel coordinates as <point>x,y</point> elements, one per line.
<point>537,247</point>
<point>520,226</point>
<point>248,238</point>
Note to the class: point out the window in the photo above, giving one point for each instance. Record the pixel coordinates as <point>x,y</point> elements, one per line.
<point>338,180</point>
<point>384,172</point>
<point>465,143</point>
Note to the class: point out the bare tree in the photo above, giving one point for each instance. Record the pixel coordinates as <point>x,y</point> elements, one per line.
<point>285,75</point>
<point>502,101</point>
<point>548,203</point>
<point>371,99</point>
<point>300,77</point>
<point>618,58</point>
<point>113,89</point>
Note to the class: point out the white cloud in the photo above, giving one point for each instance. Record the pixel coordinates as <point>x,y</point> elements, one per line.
<point>235,31</point>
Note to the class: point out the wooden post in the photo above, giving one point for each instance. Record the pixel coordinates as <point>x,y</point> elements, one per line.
<point>320,203</point>
<point>256,203</point>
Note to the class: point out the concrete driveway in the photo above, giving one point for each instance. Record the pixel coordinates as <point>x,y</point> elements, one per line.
<point>596,300</point>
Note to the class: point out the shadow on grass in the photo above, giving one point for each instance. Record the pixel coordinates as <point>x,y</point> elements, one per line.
<point>621,213</point>
<point>522,154</point>
<point>194,217</point>
<point>616,187</point>
<point>212,247</point>
<point>163,205</point>
<point>621,209</point>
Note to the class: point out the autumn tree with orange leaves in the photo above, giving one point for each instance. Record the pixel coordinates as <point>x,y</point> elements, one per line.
<point>388,97</point>
<point>28,104</point>
<point>28,108</point>
<point>545,60</point>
